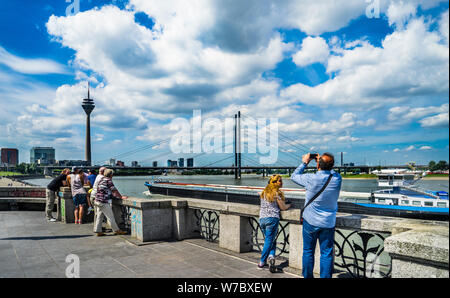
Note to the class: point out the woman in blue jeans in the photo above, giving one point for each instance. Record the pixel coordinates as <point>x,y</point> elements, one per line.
<point>272,201</point>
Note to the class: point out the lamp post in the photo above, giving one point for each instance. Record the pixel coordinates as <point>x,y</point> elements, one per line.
<point>88,106</point>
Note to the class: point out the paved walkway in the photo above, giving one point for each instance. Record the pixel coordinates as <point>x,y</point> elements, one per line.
<point>32,247</point>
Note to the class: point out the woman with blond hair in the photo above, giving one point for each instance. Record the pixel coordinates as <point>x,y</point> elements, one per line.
<point>272,201</point>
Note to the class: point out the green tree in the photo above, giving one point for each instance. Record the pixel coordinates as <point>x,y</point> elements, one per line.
<point>442,165</point>
<point>431,165</point>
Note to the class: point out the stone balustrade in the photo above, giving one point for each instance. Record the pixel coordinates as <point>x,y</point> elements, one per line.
<point>411,248</point>
<point>415,248</point>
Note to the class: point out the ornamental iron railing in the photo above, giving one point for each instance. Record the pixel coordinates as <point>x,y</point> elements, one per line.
<point>358,253</point>
<point>282,238</point>
<point>361,254</point>
<point>208,221</point>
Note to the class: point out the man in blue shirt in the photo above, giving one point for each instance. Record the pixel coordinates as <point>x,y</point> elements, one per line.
<point>319,218</point>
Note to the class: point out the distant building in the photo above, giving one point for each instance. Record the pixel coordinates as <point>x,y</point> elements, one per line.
<point>134,164</point>
<point>155,164</point>
<point>72,163</point>
<point>181,162</point>
<point>120,163</point>
<point>190,162</point>
<point>112,162</point>
<point>42,155</point>
<point>172,163</point>
<point>9,157</point>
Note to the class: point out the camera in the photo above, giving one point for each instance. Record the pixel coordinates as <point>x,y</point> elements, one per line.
<point>313,156</point>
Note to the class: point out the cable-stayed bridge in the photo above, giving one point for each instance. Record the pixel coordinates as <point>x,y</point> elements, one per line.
<point>289,152</point>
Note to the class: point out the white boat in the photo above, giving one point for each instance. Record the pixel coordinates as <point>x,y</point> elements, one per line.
<point>403,192</point>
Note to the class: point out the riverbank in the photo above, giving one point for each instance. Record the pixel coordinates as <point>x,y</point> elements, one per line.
<point>13,182</point>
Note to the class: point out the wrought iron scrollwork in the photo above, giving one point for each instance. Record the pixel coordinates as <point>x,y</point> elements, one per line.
<point>282,238</point>
<point>208,221</point>
<point>363,257</point>
<point>126,218</point>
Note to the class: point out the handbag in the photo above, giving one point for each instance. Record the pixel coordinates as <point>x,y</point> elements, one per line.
<point>315,197</point>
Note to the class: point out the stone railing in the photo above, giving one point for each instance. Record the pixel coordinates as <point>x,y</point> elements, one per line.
<point>365,246</point>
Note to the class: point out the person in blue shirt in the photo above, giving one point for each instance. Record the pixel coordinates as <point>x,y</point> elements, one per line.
<point>319,218</point>
<point>91,177</point>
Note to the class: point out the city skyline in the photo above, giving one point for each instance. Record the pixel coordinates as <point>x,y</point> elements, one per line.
<point>337,79</point>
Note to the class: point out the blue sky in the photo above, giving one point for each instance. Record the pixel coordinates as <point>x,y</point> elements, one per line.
<point>335,79</point>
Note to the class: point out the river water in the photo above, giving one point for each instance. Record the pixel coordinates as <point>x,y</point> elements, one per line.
<point>133,186</point>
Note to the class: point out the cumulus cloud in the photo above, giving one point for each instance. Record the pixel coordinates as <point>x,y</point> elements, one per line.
<point>425,148</point>
<point>410,63</point>
<point>314,49</point>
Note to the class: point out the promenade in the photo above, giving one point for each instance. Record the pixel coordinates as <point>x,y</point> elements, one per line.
<point>32,247</point>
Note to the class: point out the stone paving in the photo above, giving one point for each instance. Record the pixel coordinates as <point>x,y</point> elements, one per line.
<point>32,247</point>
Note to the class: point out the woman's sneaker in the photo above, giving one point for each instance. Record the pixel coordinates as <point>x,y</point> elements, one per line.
<point>272,267</point>
<point>261,266</point>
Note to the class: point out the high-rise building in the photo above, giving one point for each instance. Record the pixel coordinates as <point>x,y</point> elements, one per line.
<point>181,162</point>
<point>120,163</point>
<point>9,157</point>
<point>155,164</point>
<point>190,162</point>
<point>171,163</point>
<point>112,162</point>
<point>134,164</point>
<point>42,155</point>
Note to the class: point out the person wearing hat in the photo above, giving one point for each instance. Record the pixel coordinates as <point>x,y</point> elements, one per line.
<point>76,181</point>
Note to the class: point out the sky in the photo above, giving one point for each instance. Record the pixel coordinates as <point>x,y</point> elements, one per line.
<point>366,78</point>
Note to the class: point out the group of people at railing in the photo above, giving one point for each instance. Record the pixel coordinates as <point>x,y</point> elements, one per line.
<point>318,216</point>
<point>97,198</point>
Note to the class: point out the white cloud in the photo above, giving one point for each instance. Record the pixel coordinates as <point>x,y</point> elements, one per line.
<point>400,12</point>
<point>314,49</point>
<point>440,120</point>
<point>404,114</point>
<point>410,148</point>
<point>31,66</point>
<point>425,148</point>
<point>396,150</point>
<point>411,62</point>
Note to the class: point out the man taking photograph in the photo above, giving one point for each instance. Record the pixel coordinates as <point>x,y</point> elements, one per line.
<point>319,217</point>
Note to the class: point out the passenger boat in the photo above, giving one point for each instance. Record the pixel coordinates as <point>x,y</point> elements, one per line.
<point>349,202</point>
<point>404,194</point>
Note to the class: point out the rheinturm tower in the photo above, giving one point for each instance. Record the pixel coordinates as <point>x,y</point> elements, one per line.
<point>88,106</point>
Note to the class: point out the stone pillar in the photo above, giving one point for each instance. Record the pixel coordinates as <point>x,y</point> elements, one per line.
<point>151,219</point>
<point>66,209</point>
<point>296,248</point>
<point>184,221</point>
<point>419,253</point>
<point>235,233</point>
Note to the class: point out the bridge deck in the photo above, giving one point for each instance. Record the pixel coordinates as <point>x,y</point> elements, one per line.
<point>32,247</point>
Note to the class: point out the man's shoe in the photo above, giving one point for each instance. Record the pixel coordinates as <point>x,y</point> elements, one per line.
<point>120,232</point>
<point>100,234</point>
<point>272,267</point>
<point>51,219</point>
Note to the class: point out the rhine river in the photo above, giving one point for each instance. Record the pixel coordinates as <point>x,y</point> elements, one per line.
<point>133,186</point>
